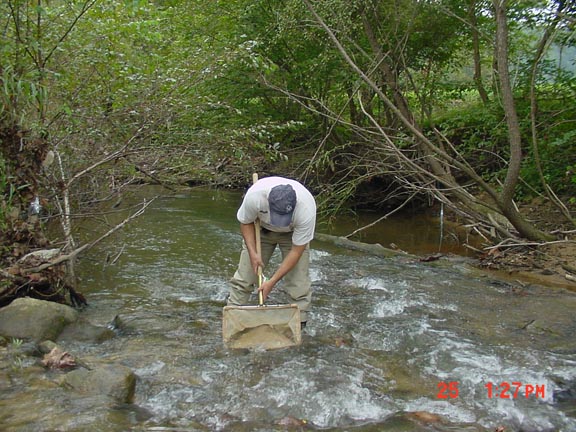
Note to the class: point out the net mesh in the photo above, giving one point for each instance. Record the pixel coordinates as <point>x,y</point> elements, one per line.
<point>266,327</point>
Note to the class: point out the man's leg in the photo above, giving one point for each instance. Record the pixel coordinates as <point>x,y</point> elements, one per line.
<point>244,280</point>
<point>242,283</point>
<point>297,282</point>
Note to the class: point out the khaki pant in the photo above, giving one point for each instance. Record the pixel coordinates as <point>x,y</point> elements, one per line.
<point>296,282</point>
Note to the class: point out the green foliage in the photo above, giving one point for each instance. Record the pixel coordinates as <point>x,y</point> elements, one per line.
<point>192,84</point>
<point>435,36</point>
<point>8,195</point>
<point>15,354</point>
<point>479,132</point>
<point>558,160</point>
<point>5,200</point>
<point>20,95</point>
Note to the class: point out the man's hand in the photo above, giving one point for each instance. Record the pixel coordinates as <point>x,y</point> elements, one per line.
<point>266,287</point>
<point>256,261</point>
<point>287,264</point>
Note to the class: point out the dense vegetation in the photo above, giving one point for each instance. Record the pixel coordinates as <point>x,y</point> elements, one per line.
<point>370,102</point>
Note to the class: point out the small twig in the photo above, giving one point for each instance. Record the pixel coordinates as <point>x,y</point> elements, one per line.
<point>472,248</point>
<point>117,257</point>
<point>563,232</point>
<point>116,155</point>
<point>383,217</point>
<point>507,245</point>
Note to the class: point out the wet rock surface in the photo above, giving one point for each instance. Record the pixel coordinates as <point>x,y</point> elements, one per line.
<point>115,381</point>
<point>37,320</point>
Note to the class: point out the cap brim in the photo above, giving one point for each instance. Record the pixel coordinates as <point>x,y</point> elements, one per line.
<point>280,220</point>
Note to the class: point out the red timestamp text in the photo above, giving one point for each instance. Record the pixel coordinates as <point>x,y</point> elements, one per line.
<point>514,390</point>
<point>503,390</point>
<point>447,390</point>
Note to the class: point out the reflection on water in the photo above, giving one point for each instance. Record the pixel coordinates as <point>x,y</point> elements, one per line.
<point>413,233</point>
<point>388,341</point>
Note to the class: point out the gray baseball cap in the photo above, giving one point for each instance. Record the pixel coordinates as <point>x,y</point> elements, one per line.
<point>282,202</point>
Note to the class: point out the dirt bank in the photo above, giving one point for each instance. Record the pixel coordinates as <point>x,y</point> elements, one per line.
<point>551,264</point>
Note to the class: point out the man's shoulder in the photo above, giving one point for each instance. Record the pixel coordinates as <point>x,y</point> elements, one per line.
<point>267,183</point>
<point>270,182</point>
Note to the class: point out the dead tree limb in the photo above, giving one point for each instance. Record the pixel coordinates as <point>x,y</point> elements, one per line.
<point>87,246</point>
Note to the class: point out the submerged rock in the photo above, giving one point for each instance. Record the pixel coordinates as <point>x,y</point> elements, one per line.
<point>83,331</point>
<point>289,421</point>
<point>424,416</point>
<point>115,381</point>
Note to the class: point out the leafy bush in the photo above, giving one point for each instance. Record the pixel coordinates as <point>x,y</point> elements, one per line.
<point>480,133</point>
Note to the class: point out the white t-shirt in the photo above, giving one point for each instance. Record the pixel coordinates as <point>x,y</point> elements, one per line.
<point>255,205</point>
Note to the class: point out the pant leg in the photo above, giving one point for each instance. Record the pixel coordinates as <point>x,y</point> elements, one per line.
<point>297,281</point>
<point>244,281</point>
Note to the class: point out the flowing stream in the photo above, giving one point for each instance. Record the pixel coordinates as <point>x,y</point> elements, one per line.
<point>392,344</point>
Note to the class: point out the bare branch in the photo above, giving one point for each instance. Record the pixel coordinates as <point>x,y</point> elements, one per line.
<point>506,244</point>
<point>383,217</point>
<point>87,246</point>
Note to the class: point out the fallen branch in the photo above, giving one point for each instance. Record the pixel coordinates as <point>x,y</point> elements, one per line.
<point>472,248</point>
<point>502,230</point>
<point>152,176</point>
<point>77,251</point>
<point>477,228</point>
<point>372,249</point>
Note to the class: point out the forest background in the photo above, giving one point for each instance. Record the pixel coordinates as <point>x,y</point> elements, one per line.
<point>380,104</point>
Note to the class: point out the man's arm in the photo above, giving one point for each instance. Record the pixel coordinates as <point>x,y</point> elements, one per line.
<point>248,232</point>
<point>287,264</point>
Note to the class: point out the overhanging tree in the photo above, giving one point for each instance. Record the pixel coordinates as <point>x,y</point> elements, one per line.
<point>431,162</point>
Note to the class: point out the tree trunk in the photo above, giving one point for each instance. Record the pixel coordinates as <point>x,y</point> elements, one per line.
<point>505,202</point>
<point>436,177</point>
<point>476,52</point>
<point>544,43</point>
<point>391,82</point>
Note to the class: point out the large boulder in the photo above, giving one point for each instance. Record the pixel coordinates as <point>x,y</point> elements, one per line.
<point>115,381</point>
<point>36,320</point>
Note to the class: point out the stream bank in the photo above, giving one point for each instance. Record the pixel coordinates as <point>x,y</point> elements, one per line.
<point>552,264</point>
